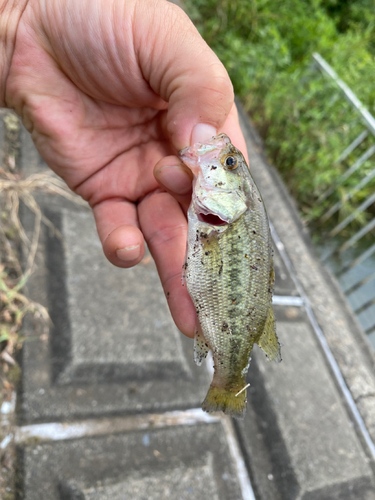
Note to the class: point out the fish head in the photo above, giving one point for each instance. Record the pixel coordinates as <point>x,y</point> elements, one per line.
<point>218,188</point>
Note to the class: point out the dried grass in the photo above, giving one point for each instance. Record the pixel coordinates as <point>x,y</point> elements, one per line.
<point>16,189</point>
<point>14,274</point>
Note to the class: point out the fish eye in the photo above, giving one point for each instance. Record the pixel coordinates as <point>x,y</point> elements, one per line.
<point>231,162</point>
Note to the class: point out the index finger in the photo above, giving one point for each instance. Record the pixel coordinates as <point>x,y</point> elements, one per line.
<point>164,227</point>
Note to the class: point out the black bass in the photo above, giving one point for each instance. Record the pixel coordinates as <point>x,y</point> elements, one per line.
<point>228,270</point>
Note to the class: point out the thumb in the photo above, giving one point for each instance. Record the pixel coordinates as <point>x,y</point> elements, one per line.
<point>184,71</point>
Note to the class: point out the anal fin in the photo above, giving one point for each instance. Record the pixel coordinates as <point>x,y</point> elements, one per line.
<point>201,347</point>
<point>268,341</point>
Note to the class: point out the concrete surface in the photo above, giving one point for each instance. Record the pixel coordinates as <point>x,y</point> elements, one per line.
<point>100,388</point>
<point>345,337</point>
<point>317,446</point>
<point>113,346</point>
<point>182,462</point>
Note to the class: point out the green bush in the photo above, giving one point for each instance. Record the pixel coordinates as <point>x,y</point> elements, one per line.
<point>305,121</point>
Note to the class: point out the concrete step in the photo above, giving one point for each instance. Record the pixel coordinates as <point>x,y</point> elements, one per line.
<point>113,350</point>
<point>113,346</point>
<point>176,461</point>
<point>297,437</point>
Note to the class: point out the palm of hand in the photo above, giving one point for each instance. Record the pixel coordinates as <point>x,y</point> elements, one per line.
<point>99,129</point>
<point>88,90</point>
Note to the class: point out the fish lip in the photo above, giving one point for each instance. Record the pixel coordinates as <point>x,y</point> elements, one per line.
<point>211,219</point>
<point>207,216</point>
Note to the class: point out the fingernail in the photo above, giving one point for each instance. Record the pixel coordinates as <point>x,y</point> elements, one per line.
<point>202,132</point>
<point>128,253</point>
<point>174,178</point>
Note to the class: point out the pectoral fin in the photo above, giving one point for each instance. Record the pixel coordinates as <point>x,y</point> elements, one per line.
<point>268,341</point>
<point>201,347</point>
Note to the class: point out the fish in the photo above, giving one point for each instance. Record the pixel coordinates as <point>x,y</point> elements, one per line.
<point>228,270</point>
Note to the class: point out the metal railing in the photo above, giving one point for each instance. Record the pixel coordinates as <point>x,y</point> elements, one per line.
<point>343,244</point>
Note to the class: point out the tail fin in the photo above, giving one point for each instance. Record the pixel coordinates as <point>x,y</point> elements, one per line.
<point>231,402</point>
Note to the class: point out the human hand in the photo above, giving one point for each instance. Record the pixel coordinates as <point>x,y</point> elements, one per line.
<point>108,89</point>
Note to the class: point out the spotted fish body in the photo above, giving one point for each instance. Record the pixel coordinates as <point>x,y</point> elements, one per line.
<point>228,270</point>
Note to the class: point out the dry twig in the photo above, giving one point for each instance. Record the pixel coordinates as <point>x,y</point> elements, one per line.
<point>13,304</point>
<point>14,189</point>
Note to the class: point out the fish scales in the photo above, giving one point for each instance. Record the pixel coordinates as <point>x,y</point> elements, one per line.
<point>228,269</point>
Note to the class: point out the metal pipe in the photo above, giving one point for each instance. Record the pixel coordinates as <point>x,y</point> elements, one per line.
<point>324,345</point>
<point>350,195</point>
<point>368,119</point>
<point>365,306</point>
<point>365,255</point>
<point>287,300</point>
<point>362,232</point>
<point>352,146</point>
<point>359,284</point>
<point>366,155</point>
<point>352,216</point>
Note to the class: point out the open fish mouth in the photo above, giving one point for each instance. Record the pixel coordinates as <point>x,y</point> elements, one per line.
<point>212,219</point>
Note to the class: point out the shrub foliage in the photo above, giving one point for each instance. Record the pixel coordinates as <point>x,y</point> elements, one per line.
<point>305,121</point>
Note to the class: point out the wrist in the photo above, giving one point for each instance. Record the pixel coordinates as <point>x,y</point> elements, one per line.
<point>10,15</point>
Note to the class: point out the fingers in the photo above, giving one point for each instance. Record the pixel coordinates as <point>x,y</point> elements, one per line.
<point>175,178</point>
<point>164,226</point>
<point>182,69</point>
<point>117,225</point>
